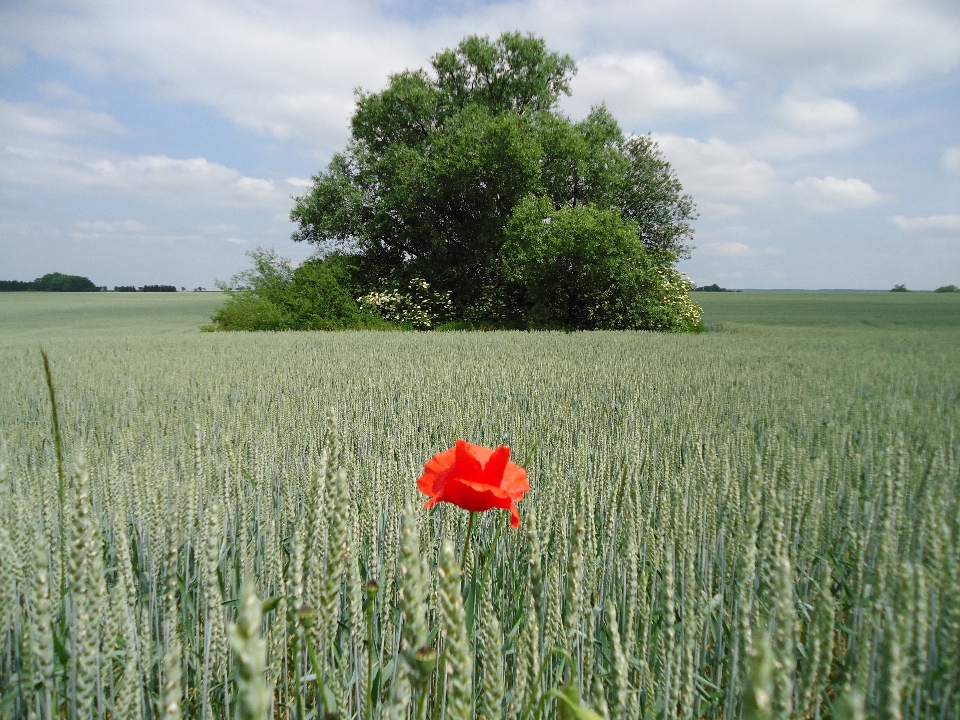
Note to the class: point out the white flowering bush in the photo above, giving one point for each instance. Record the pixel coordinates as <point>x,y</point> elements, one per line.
<point>416,305</point>
<point>675,310</point>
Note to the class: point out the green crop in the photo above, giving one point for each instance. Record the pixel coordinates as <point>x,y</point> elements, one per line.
<point>759,522</point>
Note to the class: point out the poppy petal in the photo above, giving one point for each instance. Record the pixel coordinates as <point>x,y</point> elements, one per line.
<point>496,464</point>
<point>435,472</point>
<point>467,466</point>
<point>515,481</point>
<point>476,497</point>
<point>514,516</point>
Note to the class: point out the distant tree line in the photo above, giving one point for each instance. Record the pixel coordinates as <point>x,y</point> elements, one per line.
<point>52,282</point>
<point>145,288</point>
<point>59,282</point>
<point>713,288</point>
<point>941,289</point>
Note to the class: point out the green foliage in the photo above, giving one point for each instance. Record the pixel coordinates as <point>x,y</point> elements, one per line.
<point>158,288</point>
<point>714,288</point>
<point>271,295</point>
<point>947,289</point>
<point>51,282</point>
<point>512,74</point>
<point>899,289</point>
<point>438,165</point>
<point>58,282</point>
<point>581,268</point>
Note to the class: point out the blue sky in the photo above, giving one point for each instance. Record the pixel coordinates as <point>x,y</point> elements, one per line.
<point>159,142</point>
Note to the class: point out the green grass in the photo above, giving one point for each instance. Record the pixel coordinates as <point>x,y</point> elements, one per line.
<point>793,473</point>
<point>38,315</point>
<point>835,311</point>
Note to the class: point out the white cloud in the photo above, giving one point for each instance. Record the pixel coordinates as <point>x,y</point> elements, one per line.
<point>736,249</point>
<point>861,42</point>
<point>729,249</point>
<point>951,159</point>
<point>56,91</point>
<point>830,194</point>
<point>817,114</point>
<point>236,241</point>
<point>299,182</point>
<point>40,147</point>
<point>157,178</point>
<point>717,171</point>
<point>112,226</point>
<point>286,70</point>
<point>806,125</point>
<point>948,223</point>
<point>20,120</point>
<point>289,68</point>
<point>641,86</point>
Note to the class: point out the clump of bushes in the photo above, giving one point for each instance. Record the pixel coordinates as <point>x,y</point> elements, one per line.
<point>556,279</point>
<point>947,289</point>
<point>272,295</point>
<point>581,268</point>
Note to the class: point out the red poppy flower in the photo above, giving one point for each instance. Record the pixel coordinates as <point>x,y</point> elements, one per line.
<point>475,478</point>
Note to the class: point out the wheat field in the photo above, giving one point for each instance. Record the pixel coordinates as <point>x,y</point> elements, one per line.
<point>758,522</point>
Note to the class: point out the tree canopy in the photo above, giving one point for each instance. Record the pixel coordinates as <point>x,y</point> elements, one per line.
<point>444,168</point>
<point>51,282</point>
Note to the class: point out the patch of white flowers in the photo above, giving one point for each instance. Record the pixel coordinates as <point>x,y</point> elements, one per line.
<point>416,306</point>
<point>675,289</point>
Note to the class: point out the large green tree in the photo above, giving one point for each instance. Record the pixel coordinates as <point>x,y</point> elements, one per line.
<point>440,161</point>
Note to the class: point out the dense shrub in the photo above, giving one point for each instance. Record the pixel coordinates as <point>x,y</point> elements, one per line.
<point>318,295</point>
<point>158,288</point>
<point>15,286</point>
<point>581,268</point>
<point>124,288</point>
<point>947,289</point>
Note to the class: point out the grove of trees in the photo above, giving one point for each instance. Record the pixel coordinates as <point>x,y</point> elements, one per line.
<point>466,182</point>
<point>51,282</point>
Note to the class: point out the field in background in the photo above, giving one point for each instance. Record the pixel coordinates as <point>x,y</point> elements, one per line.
<point>835,311</point>
<point>787,484</point>
<point>39,315</point>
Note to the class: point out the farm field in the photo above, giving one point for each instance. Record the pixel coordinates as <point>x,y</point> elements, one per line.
<point>34,316</point>
<point>769,507</point>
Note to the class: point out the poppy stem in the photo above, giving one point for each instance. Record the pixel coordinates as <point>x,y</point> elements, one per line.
<point>466,543</point>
